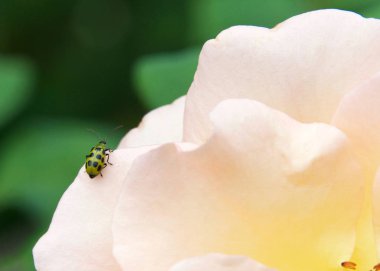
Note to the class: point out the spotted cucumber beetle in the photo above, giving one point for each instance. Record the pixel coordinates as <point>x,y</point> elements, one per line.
<point>95,160</point>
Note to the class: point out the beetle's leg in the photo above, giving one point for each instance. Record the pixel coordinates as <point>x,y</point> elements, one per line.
<point>105,165</point>
<point>101,174</point>
<point>108,157</point>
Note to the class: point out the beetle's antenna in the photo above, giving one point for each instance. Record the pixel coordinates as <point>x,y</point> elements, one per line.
<point>95,132</point>
<point>113,131</point>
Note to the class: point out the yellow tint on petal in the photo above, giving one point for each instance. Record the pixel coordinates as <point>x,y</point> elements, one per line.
<point>264,186</point>
<point>302,67</point>
<point>219,262</point>
<point>376,211</point>
<point>358,116</point>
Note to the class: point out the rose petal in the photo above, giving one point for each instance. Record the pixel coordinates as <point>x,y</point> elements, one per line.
<point>358,115</point>
<point>162,125</point>
<point>302,67</point>
<point>79,237</point>
<point>219,262</point>
<point>264,186</point>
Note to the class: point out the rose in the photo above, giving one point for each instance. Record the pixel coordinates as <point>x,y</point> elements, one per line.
<point>272,155</point>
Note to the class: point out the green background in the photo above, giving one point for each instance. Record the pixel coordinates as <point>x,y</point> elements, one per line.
<point>69,65</point>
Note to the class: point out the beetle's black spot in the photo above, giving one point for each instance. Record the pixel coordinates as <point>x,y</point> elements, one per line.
<point>95,164</point>
<point>104,151</point>
<point>98,149</point>
<point>91,154</point>
<point>91,175</point>
<point>102,142</point>
<point>99,168</point>
<point>89,163</point>
<point>99,156</point>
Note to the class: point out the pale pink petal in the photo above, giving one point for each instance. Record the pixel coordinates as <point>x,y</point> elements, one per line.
<point>219,262</point>
<point>162,125</point>
<point>79,237</point>
<point>358,115</point>
<point>302,67</point>
<point>283,193</point>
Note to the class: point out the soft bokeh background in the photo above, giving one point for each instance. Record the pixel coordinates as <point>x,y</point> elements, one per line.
<point>69,65</point>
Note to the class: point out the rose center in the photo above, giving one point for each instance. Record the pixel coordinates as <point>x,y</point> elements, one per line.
<point>354,266</point>
<point>364,257</point>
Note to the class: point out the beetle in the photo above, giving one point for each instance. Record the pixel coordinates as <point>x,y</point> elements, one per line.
<point>95,160</point>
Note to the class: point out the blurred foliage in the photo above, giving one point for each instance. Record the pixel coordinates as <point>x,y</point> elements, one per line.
<point>162,78</point>
<point>68,65</point>
<point>41,161</point>
<point>353,5</point>
<point>373,11</point>
<point>209,17</point>
<point>16,81</point>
